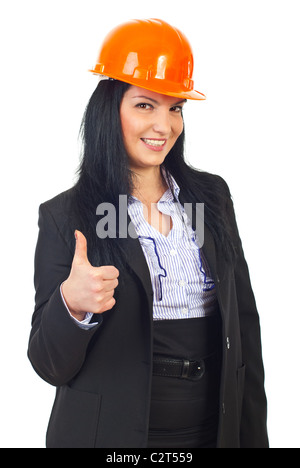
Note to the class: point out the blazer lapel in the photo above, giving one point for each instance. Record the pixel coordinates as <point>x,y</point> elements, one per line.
<point>209,250</point>
<point>136,260</point>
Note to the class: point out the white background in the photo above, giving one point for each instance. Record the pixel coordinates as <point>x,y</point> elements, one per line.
<point>247,63</point>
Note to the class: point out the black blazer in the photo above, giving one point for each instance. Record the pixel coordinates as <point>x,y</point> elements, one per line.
<point>103,375</point>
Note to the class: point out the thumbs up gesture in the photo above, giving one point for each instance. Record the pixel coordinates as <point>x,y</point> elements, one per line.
<point>88,288</point>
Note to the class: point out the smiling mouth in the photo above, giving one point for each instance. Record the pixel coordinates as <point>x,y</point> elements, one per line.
<point>154,143</point>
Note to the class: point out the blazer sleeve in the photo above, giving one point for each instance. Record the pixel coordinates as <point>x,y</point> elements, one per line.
<point>57,345</point>
<point>253,432</point>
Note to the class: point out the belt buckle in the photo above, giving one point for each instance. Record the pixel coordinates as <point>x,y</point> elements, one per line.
<point>197,374</point>
<point>200,370</point>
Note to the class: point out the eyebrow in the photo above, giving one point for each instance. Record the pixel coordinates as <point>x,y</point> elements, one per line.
<point>156,102</point>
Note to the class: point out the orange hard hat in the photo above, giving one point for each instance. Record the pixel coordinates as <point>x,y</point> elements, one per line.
<point>150,54</point>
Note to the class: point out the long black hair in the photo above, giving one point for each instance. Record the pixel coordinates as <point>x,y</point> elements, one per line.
<point>104,175</point>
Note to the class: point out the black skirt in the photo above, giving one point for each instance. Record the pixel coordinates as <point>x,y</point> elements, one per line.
<point>184,412</point>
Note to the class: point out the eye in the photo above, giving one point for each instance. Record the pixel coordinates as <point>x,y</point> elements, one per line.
<point>144,106</point>
<point>177,109</point>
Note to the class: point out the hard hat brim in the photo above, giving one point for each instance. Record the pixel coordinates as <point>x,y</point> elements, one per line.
<point>192,95</point>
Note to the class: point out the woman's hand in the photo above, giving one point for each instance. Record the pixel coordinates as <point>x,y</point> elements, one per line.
<point>88,288</point>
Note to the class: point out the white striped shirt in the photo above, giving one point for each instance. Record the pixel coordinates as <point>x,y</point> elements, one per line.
<point>182,286</point>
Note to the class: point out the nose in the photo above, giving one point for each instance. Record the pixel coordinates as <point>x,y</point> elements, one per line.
<point>162,123</point>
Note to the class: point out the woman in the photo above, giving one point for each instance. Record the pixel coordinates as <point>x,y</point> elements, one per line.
<point>151,338</point>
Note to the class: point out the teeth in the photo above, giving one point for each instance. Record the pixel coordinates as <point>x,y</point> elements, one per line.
<point>154,142</point>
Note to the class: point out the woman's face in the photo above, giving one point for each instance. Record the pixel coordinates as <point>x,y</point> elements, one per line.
<point>151,124</point>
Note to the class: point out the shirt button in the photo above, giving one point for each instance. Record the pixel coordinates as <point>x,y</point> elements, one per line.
<point>228,342</point>
<point>173,252</point>
<point>185,310</point>
<point>182,283</point>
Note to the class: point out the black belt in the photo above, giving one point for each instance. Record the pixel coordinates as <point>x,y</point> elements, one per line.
<point>183,368</point>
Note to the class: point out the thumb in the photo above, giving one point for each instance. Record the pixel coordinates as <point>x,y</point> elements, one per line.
<point>80,255</point>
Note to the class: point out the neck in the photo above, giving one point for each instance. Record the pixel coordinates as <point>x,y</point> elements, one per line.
<point>150,185</point>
